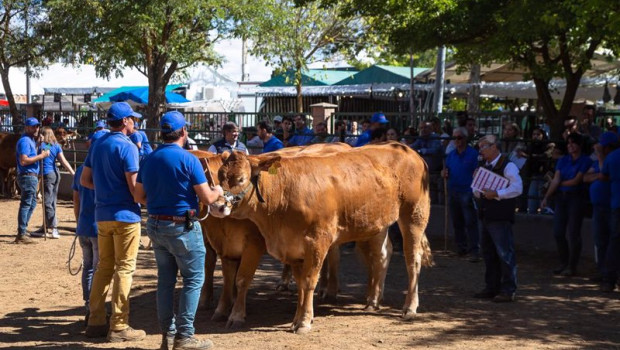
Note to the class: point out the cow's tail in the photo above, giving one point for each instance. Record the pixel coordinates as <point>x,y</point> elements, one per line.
<point>427,255</point>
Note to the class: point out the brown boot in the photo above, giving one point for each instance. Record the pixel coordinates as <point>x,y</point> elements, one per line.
<point>23,239</point>
<point>192,343</point>
<point>127,334</point>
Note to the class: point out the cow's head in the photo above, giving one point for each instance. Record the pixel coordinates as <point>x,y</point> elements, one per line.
<point>238,176</point>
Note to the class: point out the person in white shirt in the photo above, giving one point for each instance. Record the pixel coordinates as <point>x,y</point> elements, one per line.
<point>496,211</point>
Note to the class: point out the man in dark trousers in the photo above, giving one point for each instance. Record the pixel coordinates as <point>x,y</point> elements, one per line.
<point>497,211</point>
<point>170,183</point>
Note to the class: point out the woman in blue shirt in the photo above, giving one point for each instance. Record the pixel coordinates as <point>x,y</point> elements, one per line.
<point>569,204</point>
<point>51,179</point>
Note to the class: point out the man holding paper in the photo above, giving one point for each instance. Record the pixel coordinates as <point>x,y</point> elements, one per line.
<point>497,210</point>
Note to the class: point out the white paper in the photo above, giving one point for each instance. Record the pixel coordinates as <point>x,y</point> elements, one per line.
<point>487,180</point>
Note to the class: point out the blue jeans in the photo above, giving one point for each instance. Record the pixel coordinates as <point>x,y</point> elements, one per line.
<point>28,186</point>
<point>601,229</point>
<point>51,182</point>
<point>612,258</point>
<point>177,248</point>
<point>534,194</point>
<point>465,222</point>
<point>90,259</point>
<point>569,207</point>
<point>498,250</point>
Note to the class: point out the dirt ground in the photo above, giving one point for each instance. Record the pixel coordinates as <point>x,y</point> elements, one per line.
<point>41,306</point>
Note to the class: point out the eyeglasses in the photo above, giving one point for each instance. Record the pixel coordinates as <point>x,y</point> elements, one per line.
<point>482,148</point>
<point>459,137</point>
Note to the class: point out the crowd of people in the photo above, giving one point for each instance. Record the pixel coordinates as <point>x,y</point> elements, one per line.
<point>110,186</point>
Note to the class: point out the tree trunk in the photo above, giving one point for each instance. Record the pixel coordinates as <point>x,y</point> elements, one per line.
<point>473,98</point>
<point>4,75</point>
<point>300,99</point>
<point>158,77</point>
<point>550,111</point>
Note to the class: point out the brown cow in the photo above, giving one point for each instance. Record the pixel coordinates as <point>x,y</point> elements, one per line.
<point>241,246</point>
<point>314,202</point>
<point>8,163</point>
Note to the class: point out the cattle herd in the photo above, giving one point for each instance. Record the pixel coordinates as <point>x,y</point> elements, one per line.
<point>299,204</point>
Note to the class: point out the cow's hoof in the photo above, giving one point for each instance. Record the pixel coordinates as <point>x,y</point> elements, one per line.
<point>408,315</point>
<point>371,308</point>
<point>282,287</point>
<point>303,329</point>
<point>235,324</point>
<point>219,317</point>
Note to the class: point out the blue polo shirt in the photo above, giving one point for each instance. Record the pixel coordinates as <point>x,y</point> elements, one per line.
<point>364,138</point>
<point>301,137</point>
<point>110,158</point>
<point>86,225</point>
<point>146,145</point>
<point>611,168</point>
<point>569,168</point>
<point>273,144</point>
<point>49,163</point>
<point>600,191</point>
<point>461,168</point>
<point>169,175</point>
<point>136,137</point>
<point>26,145</point>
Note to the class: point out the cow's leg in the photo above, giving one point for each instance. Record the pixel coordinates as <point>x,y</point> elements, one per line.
<point>297,269</point>
<point>285,278</point>
<point>329,275</point>
<point>315,251</point>
<point>245,274</point>
<point>412,226</point>
<point>229,273</point>
<point>376,253</point>
<point>206,295</point>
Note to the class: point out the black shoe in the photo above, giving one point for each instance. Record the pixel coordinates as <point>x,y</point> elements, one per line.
<point>97,331</point>
<point>504,298</point>
<point>485,294</point>
<point>568,273</point>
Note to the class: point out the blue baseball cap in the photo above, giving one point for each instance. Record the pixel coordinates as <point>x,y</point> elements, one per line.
<point>97,135</point>
<point>379,118</point>
<point>121,110</point>
<point>608,138</point>
<point>100,124</point>
<point>172,121</point>
<point>32,122</point>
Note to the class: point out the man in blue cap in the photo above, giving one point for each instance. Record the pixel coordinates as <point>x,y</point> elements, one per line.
<point>377,121</point>
<point>170,183</point>
<point>27,177</point>
<point>111,168</point>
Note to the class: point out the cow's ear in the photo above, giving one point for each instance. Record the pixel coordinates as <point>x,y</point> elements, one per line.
<point>266,164</point>
<point>225,155</point>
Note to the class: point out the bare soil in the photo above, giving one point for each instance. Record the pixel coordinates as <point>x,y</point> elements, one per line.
<point>41,304</point>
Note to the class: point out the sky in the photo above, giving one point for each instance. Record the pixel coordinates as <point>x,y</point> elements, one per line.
<point>231,50</point>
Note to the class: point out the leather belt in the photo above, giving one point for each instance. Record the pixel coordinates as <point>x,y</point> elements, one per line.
<point>29,174</point>
<point>174,218</point>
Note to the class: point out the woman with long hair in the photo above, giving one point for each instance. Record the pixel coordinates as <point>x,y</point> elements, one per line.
<point>569,204</point>
<point>51,178</point>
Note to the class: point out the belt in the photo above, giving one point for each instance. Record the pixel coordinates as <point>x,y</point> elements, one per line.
<point>29,174</point>
<point>174,218</point>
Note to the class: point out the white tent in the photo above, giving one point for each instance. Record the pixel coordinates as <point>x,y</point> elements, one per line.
<point>60,76</point>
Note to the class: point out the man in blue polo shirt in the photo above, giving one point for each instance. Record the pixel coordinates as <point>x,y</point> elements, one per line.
<point>270,142</point>
<point>27,177</point>
<point>303,134</point>
<point>460,166</point>
<point>86,230</point>
<point>111,168</point>
<point>611,172</point>
<point>170,183</point>
<point>377,121</point>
